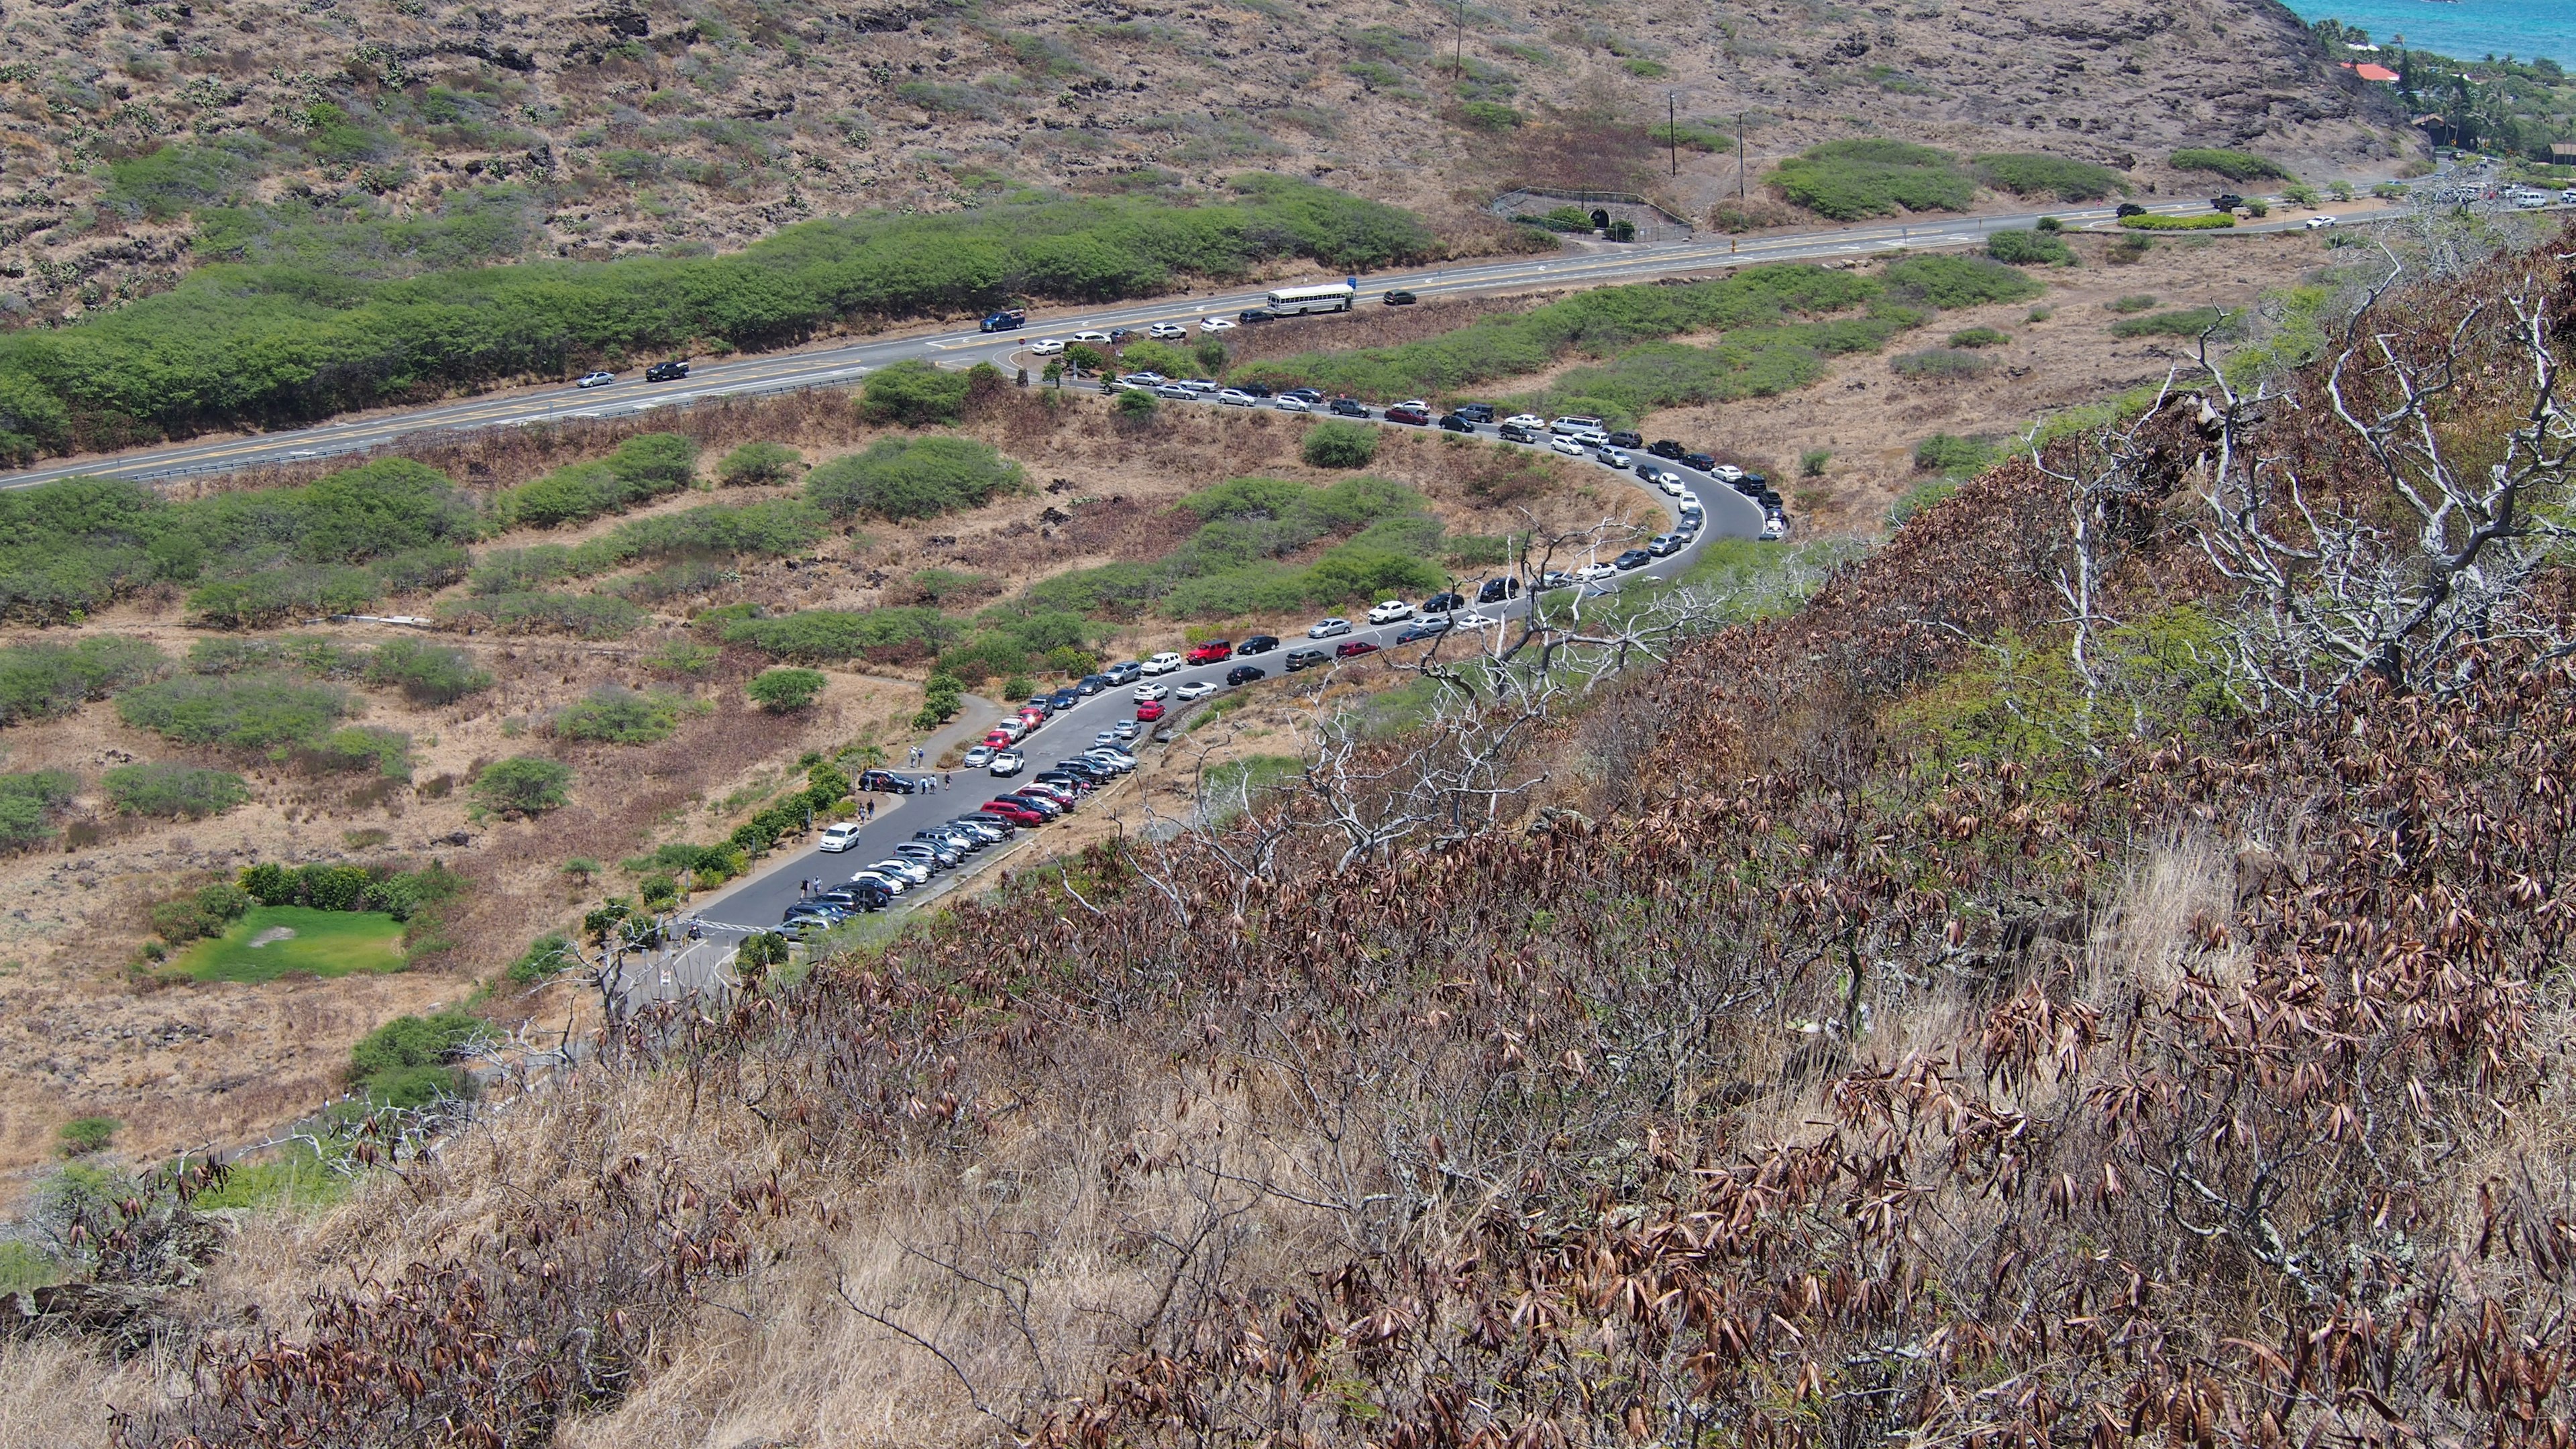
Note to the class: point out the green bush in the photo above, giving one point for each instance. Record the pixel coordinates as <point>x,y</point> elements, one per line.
<point>2211,221</point>
<point>2182,322</point>
<point>238,711</point>
<point>2030,248</point>
<point>27,802</point>
<point>614,714</point>
<point>823,636</point>
<point>408,1061</point>
<point>426,673</point>
<point>1917,498</point>
<point>2134,302</point>
<point>1334,443</point>
<point>759,465</point>
<point>85,1135</point>
<point>208,912</point>
<point>361,747</point>
<point>1848,180</point>
<point>545,956</point>
<point>172,791</point>
<point>1489,116</point>
<point>2234,165</point>
<point>781,691</point>
<point>524,785</point>
<point>643,468</point>
<point>1811,463</point>
<point>1950,282</point>
<point>915,477</point>
<point>1135,405</point>
<point>1940,363</point>
<point>2025,173</point>
<point>1979,337</point>
<point>1955,457</point>
<point>41,679</point>
<point>914,393</point>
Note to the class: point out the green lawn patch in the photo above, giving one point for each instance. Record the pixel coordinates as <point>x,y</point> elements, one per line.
<point>324,943</point>
<point>1848,180</point>
<point>2214,221</point>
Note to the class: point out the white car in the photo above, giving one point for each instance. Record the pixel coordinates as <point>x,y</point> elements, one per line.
<point>1216,324</point>
<point>1195,689</point>
<point>1234,399</point>
<point>1689,499</point>
<point>1007,763</point>
<point>1419,405</point>
<point>1471,620</point>
<point>1524,420</point>
<point>1390,611</point>
<point>1016,727</point>
<point>1575,424</point>
<point>1293,405</point>
<point>911,870</point>
<point>2317,222</point>
<point>1328,628</point>
<point>1197,384</point>
<point>1567,446</point>
<point>978,757</point>
<point>1726,473</point>
<point>596,379</point>
<point>1100,337</point>
<point>1671,483</point>
<point>1775,527</point>
<point>1047,346</point>
<point>1167,331</point>
<point>892,884</point>
<point>1163,663</point>
<point>838,838</point>
<point>1592,571</point>
<point>1592,438</point>
<point>1148,693</point>
<point>1611,456</point>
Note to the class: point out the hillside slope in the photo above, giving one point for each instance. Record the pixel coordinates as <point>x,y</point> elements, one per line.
<point>379,136</point>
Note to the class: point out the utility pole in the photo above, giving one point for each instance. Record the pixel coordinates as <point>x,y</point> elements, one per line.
<point>1739,155</point>
<point>1673,130</point>
<point>1458,58</point>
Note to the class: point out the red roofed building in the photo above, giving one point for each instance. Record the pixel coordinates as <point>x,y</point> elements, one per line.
<point>2370,72</point>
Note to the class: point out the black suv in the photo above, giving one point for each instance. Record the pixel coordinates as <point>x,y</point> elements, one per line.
<point>1443,603</point>
<point>1701,461</point>
<point>2129,208</point>
<point>1401,298</point>
<point>1257,644</point>
<point>666,372</point>
<point>1256,314</point>
<point>1305,659</point>
<point>1495,591</point>
<point>2226,201</point>
<point>1667,448</point>
<point>1245,674</point>
<point>1456,423</point>
<point>1345,407</point>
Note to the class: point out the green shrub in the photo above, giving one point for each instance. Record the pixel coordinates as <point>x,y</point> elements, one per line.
<point>823,636</point>
<point>1489,116</point>
<point>1917,498</point>
<point>84,1135</point>
<point>1955,457</point>
<point>2182,322</point>
<point>27,802</point>
<point>1334,443</point>
<point>781,691</point>
<point>1979,337</point>
<point>2234,165</point>
<point>1848,180</point>
<point>1950,282</point>
<point>2134,302</point>
<point>172,791</point>
<point>759,465</point>
<point>208,912</point>
<point>545,956</point>
<point>41,679</point>
<point>408,1061</point>
<point>1939,363</point>
<point>1135,405</point>
<point>2212,221</point>
<point>2030,248</point>
<point>644,467</point>
<point>2039,314</point>
<point>914,393</point>
<point>426,673</point>
<point>1811,463</point>
<point>524,785</point>
<point>2025,173</point>
<point>362,747</point>
<point>614,714</point>
<point>239,711</point>
<point>915,477</point>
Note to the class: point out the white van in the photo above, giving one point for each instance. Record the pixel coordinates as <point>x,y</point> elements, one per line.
<point>1572,425</point>
<point>1164,663</point>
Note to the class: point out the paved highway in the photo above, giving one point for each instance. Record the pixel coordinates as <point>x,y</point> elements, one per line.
<point>844,365</point>
<point>757,902</point>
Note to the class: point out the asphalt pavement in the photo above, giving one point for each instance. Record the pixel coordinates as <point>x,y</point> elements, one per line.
<point>756,903</point>
<point>846,364</point>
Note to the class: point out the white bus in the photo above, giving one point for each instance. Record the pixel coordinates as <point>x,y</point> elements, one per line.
<point>1290,301</point>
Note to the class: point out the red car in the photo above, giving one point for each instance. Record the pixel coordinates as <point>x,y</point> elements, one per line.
<point>1012,811</point>
<point>1213,651</point>
<point>1415,416</point>
<point>1150,711</point>
<point>1354,649</point>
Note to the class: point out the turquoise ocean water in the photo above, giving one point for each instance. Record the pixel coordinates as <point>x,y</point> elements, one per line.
<point>2464,29</point>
